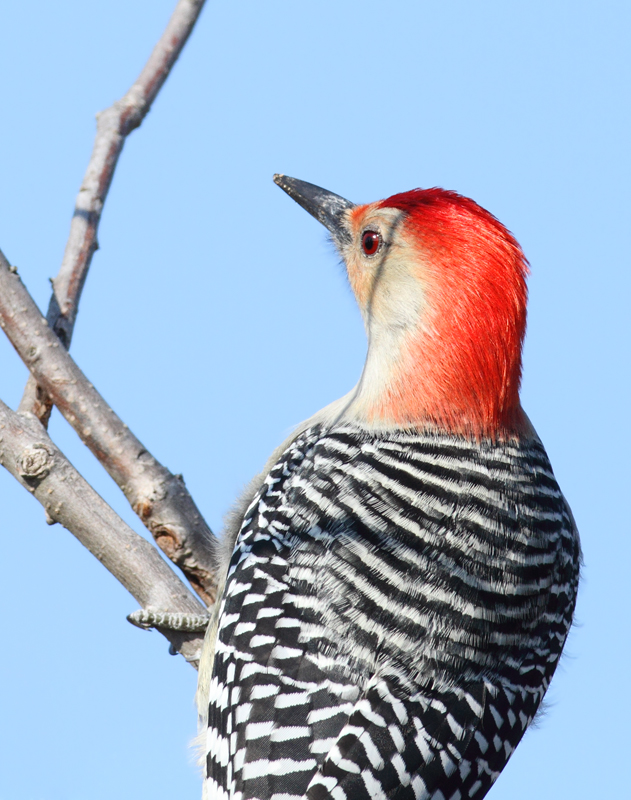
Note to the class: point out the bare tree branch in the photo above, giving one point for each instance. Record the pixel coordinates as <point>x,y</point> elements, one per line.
<point>159,498</point>
<point>113,126</point>
<point>28,453</point>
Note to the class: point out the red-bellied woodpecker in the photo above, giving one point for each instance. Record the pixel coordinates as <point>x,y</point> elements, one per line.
<point>401,579</point>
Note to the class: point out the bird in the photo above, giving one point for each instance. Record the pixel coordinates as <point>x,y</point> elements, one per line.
<point>399,581</point>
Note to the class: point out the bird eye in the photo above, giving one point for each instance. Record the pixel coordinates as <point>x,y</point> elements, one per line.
<point>371,241</point>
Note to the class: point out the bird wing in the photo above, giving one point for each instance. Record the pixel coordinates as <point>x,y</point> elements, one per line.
<point>403,748</point>
<point>274,711</point>
<point>286,722</point>
<point>367,570</point>
<point>447,744</point>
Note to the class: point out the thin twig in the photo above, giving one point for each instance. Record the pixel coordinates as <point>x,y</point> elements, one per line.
<point>159,498</point>
<point>113,126</point>
<point>28,453</point>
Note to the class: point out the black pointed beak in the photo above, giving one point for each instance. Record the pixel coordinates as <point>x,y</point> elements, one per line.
<point>326,207</point>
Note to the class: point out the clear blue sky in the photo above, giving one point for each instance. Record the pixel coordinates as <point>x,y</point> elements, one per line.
<point>216,317</point>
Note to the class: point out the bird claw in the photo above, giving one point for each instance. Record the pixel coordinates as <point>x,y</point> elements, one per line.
<point>186,623</point>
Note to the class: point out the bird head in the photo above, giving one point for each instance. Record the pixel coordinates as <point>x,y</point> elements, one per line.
<point>441,285</point>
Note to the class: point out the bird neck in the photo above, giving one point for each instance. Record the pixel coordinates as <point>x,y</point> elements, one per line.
<point>444,375</point>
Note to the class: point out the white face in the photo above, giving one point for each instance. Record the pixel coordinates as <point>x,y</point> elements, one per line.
<point>385,269</point>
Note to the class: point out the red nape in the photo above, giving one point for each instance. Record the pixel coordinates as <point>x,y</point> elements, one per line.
<point>463,370</point>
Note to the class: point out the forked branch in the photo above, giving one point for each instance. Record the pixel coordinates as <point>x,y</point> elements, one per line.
<point>28,453</point>
<point>159,498</point>
<point>113,126</point>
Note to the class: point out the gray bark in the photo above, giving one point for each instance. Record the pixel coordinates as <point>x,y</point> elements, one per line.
<point>113,126</point>
<point>30,456</point>
<point>159,498</point>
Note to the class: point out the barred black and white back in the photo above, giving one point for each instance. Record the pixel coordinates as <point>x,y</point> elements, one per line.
<point>393,613</point>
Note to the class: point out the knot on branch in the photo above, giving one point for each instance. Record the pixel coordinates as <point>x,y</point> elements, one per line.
<point>35,462</point>
<point>168,541</point>
<point>146,503</point>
